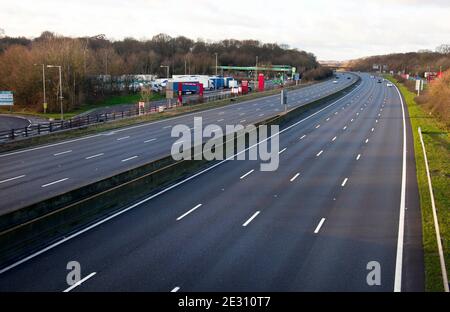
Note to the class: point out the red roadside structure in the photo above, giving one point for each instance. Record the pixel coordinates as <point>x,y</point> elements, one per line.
<point>261,82</point>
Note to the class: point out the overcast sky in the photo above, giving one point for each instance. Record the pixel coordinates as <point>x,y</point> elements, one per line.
<point>332,30</point>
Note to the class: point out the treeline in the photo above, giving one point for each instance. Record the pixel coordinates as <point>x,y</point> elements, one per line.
<point>435,98</point>
<point>410,63</point>
<point>82,58</point>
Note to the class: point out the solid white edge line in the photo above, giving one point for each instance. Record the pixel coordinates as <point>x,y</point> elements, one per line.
<point>65,239</point>
<point>401,221</point>
<point>283,150</point>
<point>54,182</point>
<point>11,179</point>
<point>435,218</point>
<point>251,171</point>
<point>80,282</point>
<point>251,218</point>
<point>188,212</point>
<point>319,226</point>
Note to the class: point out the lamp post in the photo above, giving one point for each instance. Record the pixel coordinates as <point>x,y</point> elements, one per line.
<point>60,88</point>
<point>44,104</point>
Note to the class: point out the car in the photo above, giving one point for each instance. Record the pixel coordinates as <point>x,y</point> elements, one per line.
<point>389,84</point>
<point>379,81</point>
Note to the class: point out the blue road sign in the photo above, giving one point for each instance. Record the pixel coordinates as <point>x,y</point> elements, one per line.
<point>6,98</point>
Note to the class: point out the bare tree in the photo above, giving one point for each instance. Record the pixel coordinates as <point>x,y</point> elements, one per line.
<point>443,49</point>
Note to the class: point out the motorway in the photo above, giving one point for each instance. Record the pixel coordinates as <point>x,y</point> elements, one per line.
<point>345,194</point>
<point>38,173</point>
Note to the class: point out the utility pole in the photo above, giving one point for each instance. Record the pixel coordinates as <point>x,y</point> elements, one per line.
<point>43,86</point>
<point>60,88</point>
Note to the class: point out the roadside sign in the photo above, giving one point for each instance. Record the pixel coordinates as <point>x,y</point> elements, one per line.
<point>6,98</point>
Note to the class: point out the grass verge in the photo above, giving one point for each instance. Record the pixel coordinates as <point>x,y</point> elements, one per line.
<point>437,143</point>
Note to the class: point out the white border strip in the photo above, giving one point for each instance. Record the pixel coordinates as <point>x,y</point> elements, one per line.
<point>435,218</point>
<point>65,239</point>
<point>401,221</point>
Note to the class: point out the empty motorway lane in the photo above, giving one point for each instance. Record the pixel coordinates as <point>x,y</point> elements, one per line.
<point>336,204</point>
<point>38,173</point>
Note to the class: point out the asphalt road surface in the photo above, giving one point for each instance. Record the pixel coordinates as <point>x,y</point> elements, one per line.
<point>336,205</point>
<point>39,173</point>
<point>11,122</point>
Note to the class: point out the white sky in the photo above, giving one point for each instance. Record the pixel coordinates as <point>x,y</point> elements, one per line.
<point>332,30</point>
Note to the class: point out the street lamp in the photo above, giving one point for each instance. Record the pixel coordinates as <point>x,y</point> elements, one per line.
<point>43,86</point>
<point>60,88</point>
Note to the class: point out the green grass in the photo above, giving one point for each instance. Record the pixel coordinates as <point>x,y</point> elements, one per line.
<point>437,143</point>
<point>124,99</point>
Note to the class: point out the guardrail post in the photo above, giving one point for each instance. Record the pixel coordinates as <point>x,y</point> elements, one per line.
<point>70,123</point>
<point>50,127</point>
<point>12,134</point>
<point>26,131</point>
<point>39,128</point>
<point>88,117</point>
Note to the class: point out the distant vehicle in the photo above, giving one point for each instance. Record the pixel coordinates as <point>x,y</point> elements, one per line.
<point>349,78</point>
<point>372,76</point>
<point>389,84</point>
<point>335,81</point>
<point>379,80</point>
